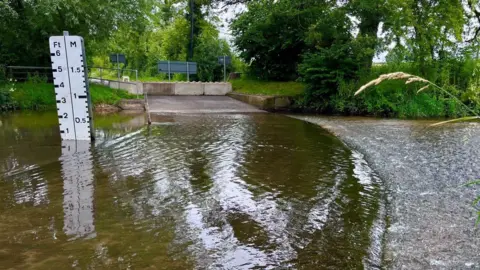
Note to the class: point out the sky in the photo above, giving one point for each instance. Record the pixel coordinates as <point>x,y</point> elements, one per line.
<point>225,16</point>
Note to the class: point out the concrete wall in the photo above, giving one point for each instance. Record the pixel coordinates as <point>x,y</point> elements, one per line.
<point>132,104</point>
<point>187,89</point>
<point>159,89</point>
<point>268,103</point>
<point>132,88</point>
<point>217,89</point>
<point>170,88</point>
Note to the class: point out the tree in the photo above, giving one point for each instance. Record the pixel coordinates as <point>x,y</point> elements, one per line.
<point>334,57</point>
<point>271,35</point>
<point>197,12</point>
<point>26,25</point>
<point>370,14</point>
<point>429,29</point>
<point>208,49</point>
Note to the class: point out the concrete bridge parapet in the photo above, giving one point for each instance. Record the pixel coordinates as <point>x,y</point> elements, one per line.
<point>187,88</point>
<point>171,88</point>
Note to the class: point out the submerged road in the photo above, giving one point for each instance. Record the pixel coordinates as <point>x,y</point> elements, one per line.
<point>432,220</point>
<point>200,191</point>
<point>198,104</point>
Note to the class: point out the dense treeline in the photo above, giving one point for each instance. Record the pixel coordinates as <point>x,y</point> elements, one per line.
<point>145,30</point>
<point>330,45</point>
<point>327,44</point>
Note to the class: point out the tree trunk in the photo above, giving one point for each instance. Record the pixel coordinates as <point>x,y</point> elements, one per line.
<point>368,30</point>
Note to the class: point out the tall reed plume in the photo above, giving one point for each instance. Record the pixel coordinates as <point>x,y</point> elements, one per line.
<point>411,79</point>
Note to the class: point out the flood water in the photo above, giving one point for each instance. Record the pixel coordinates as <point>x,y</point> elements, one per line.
<point>192,192</point>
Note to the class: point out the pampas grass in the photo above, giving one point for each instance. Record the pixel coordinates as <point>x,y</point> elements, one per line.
<point>469,118</point>
<point>384,77</point>
<point>423,88</point>
<point>412,79</point>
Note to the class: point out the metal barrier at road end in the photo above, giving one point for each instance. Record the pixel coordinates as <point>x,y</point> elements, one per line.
<point>101,69</point>
<point>118,71</point>
<point>24,73</point>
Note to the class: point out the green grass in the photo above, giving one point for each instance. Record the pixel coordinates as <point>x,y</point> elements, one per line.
<point>152,79</point>
<point>106,95</point>
<point>33,96</point>
<point>268,88</point>
<point>41,96</point>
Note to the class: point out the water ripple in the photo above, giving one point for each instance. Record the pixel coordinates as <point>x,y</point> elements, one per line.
<point>207,192</point>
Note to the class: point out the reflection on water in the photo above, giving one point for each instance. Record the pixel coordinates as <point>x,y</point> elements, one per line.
<point>206,191</point>
<point>77,176</point>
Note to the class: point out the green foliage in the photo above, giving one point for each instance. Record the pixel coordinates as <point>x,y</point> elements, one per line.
<point>271,36</point>
<point>168,44</point>
<point>328,45</point>
<point>370,13</point>
<point>166,37</point>
<point>429,29</point>
<point>25,26</point>
<point>146,31</point>
<point>256,87</point>
<point>331,44</point>
<point>6,102</point>
<point>34,96</point>
<point>206,55</point>
<point>238,65</point>
<point>323,72</point>
<point>395,98</point>
<point>336,58</point>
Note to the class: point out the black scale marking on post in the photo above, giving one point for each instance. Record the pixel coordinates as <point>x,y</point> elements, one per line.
<point>71,88</point>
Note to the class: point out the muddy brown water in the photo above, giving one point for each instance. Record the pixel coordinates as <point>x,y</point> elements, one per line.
<point>236,191</point>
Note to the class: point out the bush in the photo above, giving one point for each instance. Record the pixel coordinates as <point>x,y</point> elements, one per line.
<point>6,102</point>
<point>324,71</point>
<point>333,92</point>
<point>7,87</point>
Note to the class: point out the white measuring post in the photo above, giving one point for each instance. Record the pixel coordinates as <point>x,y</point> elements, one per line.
<point>71,87</point>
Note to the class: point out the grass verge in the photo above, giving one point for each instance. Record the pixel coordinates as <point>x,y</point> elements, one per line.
<point>267,88</point>
<point>106,95</point>
<point>41,96</point>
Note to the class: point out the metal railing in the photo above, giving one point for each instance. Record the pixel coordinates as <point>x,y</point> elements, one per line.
<point>119,72</point>
<point>25,73</point>
<point>102,76</point>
